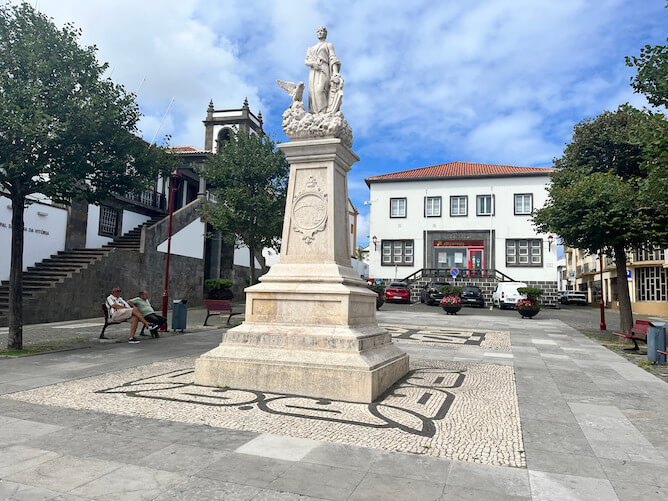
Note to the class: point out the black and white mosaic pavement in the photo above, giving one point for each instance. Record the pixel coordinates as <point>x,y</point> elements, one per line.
<point>463,411</point>
<point>448,337</point>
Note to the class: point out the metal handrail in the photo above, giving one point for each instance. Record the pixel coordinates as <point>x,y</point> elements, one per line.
<point>463,273</point>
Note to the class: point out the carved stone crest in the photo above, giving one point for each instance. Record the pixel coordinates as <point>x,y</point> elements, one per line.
<point>309,211</point>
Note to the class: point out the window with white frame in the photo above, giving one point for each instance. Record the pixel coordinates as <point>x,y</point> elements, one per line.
<point>458,206</point>
<point>397,252</point>
<point>484,205</point>
<point>432,206</point>
<point>397,207</point>
<point>524,252</point>
<point>523,203</point>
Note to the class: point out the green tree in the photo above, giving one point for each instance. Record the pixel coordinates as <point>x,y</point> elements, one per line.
<point>66,132</point>
<point>598,198</point>
<point>249,179</point>
<point>652,77</point>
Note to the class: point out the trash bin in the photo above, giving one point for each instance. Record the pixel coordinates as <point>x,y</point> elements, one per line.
<point>179,314</point>
<point>656,340</point>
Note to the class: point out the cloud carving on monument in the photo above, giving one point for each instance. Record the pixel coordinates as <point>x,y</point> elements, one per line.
<point>309,211</point>
<point>325,96</point>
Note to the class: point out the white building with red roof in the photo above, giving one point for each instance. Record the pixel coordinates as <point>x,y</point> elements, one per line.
<point>469,217</point>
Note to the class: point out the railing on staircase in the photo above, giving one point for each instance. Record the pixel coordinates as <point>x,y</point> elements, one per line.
<point>463,273</point>
<point>150,198</point>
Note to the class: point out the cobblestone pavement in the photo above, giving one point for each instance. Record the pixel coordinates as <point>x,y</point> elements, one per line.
<point>457,410</point>
<point>593,426</point>
<point>455,338</point>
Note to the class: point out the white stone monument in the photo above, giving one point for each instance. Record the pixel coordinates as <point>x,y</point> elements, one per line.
<point>310,326</point>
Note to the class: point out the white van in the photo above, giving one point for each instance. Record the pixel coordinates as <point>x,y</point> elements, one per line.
<point>506,294</point>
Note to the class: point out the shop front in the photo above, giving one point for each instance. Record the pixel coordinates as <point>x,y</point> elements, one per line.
<point>468,256</point>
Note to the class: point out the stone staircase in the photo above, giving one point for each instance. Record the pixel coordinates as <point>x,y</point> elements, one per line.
<point>65,265</point>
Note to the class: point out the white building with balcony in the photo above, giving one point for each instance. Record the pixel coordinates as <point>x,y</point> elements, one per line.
<point>469,216</point>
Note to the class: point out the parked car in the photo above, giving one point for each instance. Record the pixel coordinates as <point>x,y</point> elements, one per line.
<point>573,297</point>
<point>398,291</point>
<point>472,295</point>
<point>506,294</point>
<point>431,294</point>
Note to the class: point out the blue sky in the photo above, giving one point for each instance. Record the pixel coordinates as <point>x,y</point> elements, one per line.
<point>494,81</point>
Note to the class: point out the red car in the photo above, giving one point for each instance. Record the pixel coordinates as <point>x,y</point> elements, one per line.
<point>398,292</point>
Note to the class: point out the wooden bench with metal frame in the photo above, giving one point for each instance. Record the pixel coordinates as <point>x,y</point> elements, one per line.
<point>107,322</point>
<point>219,307</point>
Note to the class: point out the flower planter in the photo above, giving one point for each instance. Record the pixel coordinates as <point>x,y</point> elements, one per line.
<point>451,309</point>
<point>527,313</point>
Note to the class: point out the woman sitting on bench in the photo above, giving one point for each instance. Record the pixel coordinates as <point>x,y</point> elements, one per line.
<point>121,311</point>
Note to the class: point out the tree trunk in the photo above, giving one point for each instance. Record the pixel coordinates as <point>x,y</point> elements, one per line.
<point>15,338</point>
<point>625,313</point>
<point>252,265</point>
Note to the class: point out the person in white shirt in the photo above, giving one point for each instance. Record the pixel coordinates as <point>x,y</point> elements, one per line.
<point>121,311</point>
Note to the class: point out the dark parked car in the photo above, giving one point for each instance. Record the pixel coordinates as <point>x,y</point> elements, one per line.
<point>430,293</point>
<point>398,291</point>
<point>472,295</point>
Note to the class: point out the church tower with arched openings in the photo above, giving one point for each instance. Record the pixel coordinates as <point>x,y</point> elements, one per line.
<point>218,124</point>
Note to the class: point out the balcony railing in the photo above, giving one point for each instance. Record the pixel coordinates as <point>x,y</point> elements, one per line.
<point>578,270</point>
<point>150,198</point>
<point>463,273</point>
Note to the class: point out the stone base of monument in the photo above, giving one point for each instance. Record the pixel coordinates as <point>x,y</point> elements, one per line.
<point>310,324</point>
<point>307,338</point>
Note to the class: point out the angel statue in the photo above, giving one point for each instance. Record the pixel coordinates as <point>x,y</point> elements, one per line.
<point>324,66</point>
<point>295,91</point>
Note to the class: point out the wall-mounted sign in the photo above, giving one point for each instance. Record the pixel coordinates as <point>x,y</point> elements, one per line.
<point>458,243</point>
<point>628,274</point>
<point>454,272</point>
<point>26,229</point>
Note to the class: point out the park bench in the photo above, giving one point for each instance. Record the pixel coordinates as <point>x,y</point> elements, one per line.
<point>219,307</point>
<point>638,333</point>
<point>107,322</point>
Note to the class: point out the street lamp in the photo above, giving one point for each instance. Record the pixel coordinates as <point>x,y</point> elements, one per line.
<point>173,187</point>
<point>375,242</point>
<point>602,326</point>
<point>549,242</point>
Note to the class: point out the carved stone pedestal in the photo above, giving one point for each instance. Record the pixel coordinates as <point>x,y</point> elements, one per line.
<point>310,324</point>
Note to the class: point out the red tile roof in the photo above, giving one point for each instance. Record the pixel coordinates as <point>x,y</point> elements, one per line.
<point>187,150</point>
<point>458,170</point>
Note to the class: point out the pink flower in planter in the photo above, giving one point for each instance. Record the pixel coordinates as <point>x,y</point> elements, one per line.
<point>451,300</point>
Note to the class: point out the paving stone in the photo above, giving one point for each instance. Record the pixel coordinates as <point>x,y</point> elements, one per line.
<point>181,458</point>
<point>414,467</point>
<point>15,431</point>
<point>379,487</point>
<point>555,436</point>
<point>637,472</point>
<point>551,486</point>
<point>343,456</point>
<point>458,493</point>
<point>642,491</point>
<point>506,481</point>
<point>129,483</point>
<point>318,481</point>
<point>19,457</point>
<point>64,473</point>
<point>278,447</point>
<point>269,495</point>
<point>565,463</point>
<point>245,469</point>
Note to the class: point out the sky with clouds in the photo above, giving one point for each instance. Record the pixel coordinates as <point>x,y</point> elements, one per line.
<point>493,81</point>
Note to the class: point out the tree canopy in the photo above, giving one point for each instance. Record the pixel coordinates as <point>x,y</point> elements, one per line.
<point>66,131</point>
<point>249,179</point>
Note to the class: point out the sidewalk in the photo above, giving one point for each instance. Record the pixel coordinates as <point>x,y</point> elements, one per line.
<point>83,332</point>
<point>593,426</point>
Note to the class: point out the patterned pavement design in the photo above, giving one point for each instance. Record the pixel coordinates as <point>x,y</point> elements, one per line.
<point>455,410</point>
<point>448,337</point>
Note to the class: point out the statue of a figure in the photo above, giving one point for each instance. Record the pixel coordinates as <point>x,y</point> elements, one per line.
<point>324,67</point>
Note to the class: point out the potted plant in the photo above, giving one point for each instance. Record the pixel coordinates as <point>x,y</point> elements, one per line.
<point>219,288</point>
<point>452,301</point>
<point>529,307</point>
<point>380,291</point>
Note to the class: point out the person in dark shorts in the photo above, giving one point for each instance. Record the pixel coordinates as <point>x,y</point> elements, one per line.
<point>143,304</point>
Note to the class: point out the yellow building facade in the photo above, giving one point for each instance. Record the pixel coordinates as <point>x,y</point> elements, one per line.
<point>647,279</point>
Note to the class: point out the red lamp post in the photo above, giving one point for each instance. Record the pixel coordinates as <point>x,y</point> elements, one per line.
<point>165,295</point>
<point>602,326</point>
<point>549,242</point>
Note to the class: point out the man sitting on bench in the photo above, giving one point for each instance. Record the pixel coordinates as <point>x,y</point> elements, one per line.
<point>121,311</point>
<point>144,306</point>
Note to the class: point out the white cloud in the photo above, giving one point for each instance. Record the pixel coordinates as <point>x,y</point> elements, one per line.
<point>489,80</point>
